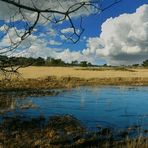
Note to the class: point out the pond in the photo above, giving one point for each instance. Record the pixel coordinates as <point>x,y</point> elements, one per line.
<point>109,106</point>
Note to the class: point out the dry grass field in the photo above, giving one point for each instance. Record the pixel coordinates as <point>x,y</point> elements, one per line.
<point>68,77</point>
<point>87,73</point>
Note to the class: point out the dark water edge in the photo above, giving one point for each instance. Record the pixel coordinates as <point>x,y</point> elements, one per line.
<point>62,131</point>
<point>22,93</point>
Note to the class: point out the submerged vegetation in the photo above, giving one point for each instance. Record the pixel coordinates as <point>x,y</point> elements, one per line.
<point>10,100</point>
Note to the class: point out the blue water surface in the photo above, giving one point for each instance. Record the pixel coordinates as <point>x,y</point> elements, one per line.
<point>111,106</point>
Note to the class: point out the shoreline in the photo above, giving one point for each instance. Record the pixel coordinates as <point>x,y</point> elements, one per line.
<point>52,82</point>
<point>48,78</point>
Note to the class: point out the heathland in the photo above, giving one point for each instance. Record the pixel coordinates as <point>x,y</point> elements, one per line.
<point>66,130</point>
<point>41,77</point>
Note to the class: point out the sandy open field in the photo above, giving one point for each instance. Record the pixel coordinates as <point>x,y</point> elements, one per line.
<point>43,72</point>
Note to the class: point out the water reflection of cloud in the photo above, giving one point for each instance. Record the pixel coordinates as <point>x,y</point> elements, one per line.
<point>94,94</point>
<point>82,102</point>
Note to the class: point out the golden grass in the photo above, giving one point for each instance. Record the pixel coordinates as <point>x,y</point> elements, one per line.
<point>68,77</point>
<point>43,72</point>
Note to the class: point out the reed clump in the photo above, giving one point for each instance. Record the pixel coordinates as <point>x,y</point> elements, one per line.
<point>53,82</point>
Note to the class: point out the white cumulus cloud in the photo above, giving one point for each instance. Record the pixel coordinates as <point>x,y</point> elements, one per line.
<point>123,40</point>
<point>38,47</point>
<point>69,30</point>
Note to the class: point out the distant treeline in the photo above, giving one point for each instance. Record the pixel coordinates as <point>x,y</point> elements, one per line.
<point>145,63</point>
<point>17,61</point>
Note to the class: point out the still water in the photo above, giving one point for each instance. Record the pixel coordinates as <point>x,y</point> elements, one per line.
<point>109,106</point>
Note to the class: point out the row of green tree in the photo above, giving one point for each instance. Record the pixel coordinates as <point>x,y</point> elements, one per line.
<point>17,61</point>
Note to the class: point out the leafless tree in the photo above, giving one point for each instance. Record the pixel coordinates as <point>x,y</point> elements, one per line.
<point>31,13</point>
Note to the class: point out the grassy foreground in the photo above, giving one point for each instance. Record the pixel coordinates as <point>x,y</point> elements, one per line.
<point>61,132</point>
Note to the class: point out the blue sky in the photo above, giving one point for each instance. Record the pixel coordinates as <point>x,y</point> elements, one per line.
<point>92,24</point>
<point>112,36</point>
